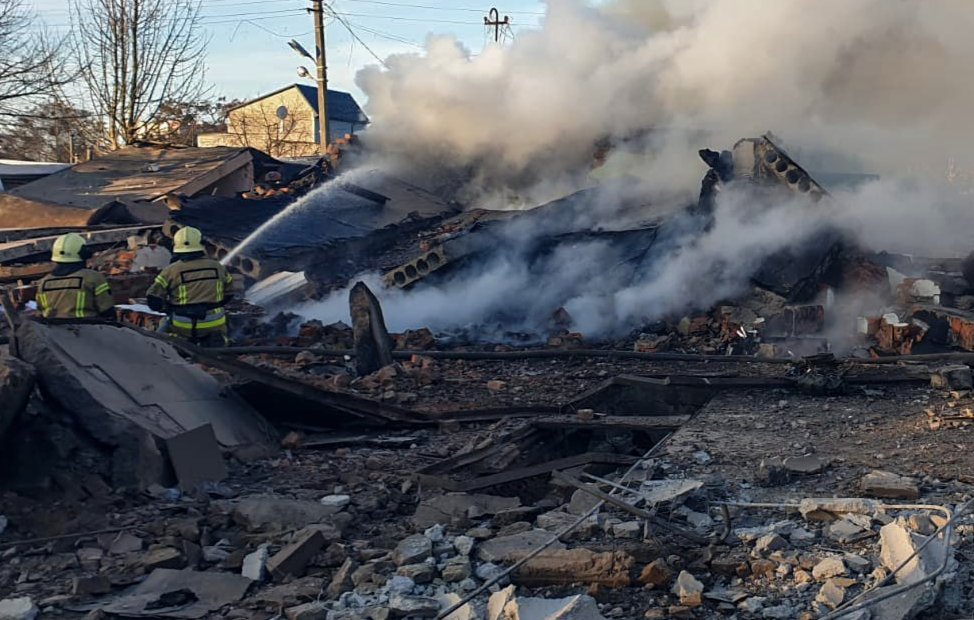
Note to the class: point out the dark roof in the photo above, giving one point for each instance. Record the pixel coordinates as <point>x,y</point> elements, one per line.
<point>341,105</point>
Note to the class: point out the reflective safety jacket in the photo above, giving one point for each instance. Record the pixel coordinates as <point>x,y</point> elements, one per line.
<point>194,292</point>
<point>81,294</point>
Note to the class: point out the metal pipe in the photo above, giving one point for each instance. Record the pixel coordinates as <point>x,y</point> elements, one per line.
<point>569,528</point>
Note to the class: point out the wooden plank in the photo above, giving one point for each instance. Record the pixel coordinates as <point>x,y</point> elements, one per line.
<point>24,272</point>
<point>578,460</point>
<point>621,422</point>
<point>209,178</point>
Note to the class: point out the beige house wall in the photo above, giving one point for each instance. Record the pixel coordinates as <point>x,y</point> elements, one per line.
<point>257,125</point>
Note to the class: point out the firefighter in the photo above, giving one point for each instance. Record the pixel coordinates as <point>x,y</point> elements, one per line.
<point>192,290</point>
<point>72,291</point>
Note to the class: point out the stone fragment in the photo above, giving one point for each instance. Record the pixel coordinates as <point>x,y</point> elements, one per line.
<point>560,566</point>
<point>373,345</point>
<point>403,605</point>
<point>953,377</point>
<point>463,545</point>
<point>800,536</point>
<point>435,533</point>
<point>292,559</point>
<point>768,543</point>
<point>341,581</point>
<point>827,508</point>
<point>514,515</point>
<point>255,564</point>
<point>457,569</point>
<point>809,464</point>
<point>656,574</point>
<point>308,611</point>
<point>412,550</point>
<point>460,508</point>
<point>465,612</point>
<point>488,571</point>
<point>771,472</point>
<point>508,549</point>
<point>688,589</point>
<point>779,612</point>
<point>699,520</point>
<point>628,530</point>
<point>555,521</point>
<point>165,557</point>
<point>88,586</point>
<point>579,607</point>
<point>802,576</point>
<point>124,543</point>
<point>857,563</point>
<point>270,511</point>
<point>763,568</point>
<point>496,385</point>
<point>662,491</point>
<point>335,501</point>
<point>829,567</point>
<point>419,573</point>
<point>21,608</point>
<point>845,531</point>
<point>581,502</point>
<point>498,601</point>
<point>400,584</point>
<point>888,485</point>
<point>830,594</point>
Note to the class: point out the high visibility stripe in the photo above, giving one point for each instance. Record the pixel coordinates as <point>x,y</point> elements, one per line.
<point>219,291</point>
<point>182,295</point>
<point>200,324</point>
<point>101,289</point>
<point>161,281</point>
<point>79,307</point>
<point>42,300</point>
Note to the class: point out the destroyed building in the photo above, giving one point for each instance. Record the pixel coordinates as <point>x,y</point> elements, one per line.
<point>733,459</point>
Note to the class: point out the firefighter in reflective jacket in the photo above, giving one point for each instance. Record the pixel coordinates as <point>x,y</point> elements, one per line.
<point>192,290</point>
<point>72,291</point>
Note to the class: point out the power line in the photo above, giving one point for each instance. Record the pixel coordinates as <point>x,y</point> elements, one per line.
<point>389,36</point>
<point>441,8</point>
<point>355,36</point>
<point>414,19</point>
<point>224,18</point>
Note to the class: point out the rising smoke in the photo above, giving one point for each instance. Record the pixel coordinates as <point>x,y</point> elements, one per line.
<point>866,85</point>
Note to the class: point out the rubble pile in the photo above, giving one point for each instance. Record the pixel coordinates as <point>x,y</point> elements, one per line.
<point>774,455</point>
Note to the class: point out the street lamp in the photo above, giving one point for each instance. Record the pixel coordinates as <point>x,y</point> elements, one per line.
<point>321,78</point>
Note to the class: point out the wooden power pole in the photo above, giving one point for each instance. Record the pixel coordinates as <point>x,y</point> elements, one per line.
<point>318,11</point>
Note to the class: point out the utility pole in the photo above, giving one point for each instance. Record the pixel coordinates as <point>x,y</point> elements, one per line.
<point>318,11</point>
<point>494,19</point>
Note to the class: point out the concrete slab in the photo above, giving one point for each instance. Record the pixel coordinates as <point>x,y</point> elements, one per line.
<point>213,591</point>
<point>131,393</point>
<point>195,457</point>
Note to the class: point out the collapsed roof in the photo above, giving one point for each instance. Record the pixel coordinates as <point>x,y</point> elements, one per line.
<point>126,186</point>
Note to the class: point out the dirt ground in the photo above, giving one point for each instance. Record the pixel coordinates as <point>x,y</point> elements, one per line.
<point>884,427</point>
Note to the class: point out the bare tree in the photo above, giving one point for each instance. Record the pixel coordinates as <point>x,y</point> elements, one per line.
<point>29,67</point>
<point>135,56</point>
<point>261,129</point>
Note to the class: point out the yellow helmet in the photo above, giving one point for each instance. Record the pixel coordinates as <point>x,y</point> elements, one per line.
<point>187,240</point>
<point>69,248</point>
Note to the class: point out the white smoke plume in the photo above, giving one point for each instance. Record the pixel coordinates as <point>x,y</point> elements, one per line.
<point>855,86</point>
<point>877,79</point>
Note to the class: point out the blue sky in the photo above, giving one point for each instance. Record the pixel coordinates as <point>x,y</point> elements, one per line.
<point>248,52</point>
